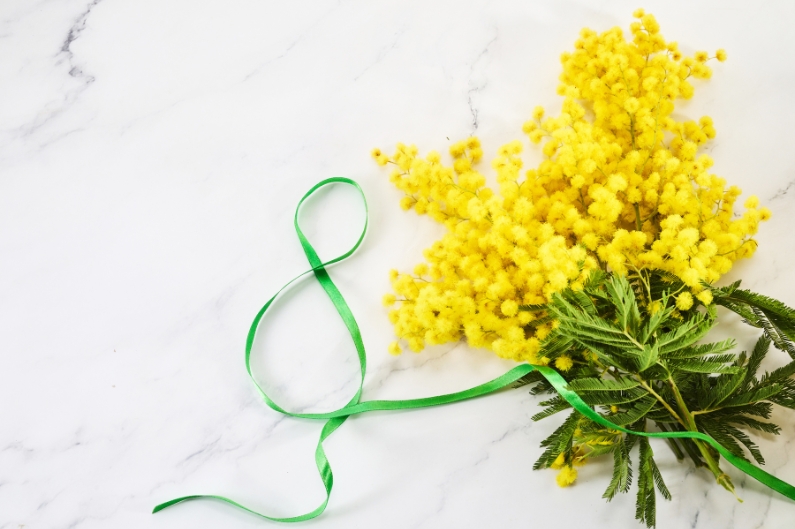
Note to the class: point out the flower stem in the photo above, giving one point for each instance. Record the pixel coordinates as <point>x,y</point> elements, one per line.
<point>662,401</point>
<point>723,479</point>
<point>672,442</point>
<point>638,225</point>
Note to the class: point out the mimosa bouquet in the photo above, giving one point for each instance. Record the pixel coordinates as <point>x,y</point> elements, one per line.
<point>597,270</point>
<point>602,262</point>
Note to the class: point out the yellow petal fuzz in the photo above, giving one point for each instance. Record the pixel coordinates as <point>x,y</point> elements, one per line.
<point>564,362</point>
<point>684,301</point>
<point>567,476</point>
<point>624,186</point>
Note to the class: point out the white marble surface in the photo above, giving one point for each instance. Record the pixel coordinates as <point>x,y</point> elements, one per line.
<point>151,154</point>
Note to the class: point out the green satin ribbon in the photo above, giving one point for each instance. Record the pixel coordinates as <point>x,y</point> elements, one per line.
<point>354,406</point>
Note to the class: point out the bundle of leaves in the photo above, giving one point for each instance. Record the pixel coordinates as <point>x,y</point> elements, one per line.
<point>638,360</point>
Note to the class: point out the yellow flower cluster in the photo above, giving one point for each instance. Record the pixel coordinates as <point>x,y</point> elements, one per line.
<point>622,187</point>
<point>568,474</point>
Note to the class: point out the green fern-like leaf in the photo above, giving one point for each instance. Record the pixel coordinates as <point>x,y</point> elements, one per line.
<point>635,413</point>
<point>554,405</point>
<point>622,471</point>
<point>696,351</point>
<point>634,366</point>
<point>581,385</point>
<point>623,298</point>
<point>686,334</point>
<point>761,348</point>
<point>612,398</point>
<point>558,441</point>
<point>701,365</point>
<point>776,318</point>
<point>646,504</point>
<point>725,386</point>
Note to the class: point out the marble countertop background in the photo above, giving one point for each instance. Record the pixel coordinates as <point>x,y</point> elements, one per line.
<point>151,156</point>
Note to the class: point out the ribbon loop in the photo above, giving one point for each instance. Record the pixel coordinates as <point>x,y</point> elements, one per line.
<point>334,419</point>
<point>319,269</point>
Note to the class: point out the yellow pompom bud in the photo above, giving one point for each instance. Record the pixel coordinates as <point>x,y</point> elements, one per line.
<point>720,55</point>
<point>379,156</point>
<point>752,202</point>
<point>566,476</point>
<point>650,23</point>
<point>631,105</point>
<point>388,300</point>
<point>457,149</point>
<point>705,297</point>
<point>684,301</point>
<point>564,362</point>
<point>509,307</point>
<point>394,348</point>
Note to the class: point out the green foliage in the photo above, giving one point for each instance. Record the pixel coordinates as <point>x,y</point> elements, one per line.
<point>639,362</point>
<point>622,468</point>
<point>581,385</point>
<point>648,476</point>
<point>774,317</point>
<point>560,442</point>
